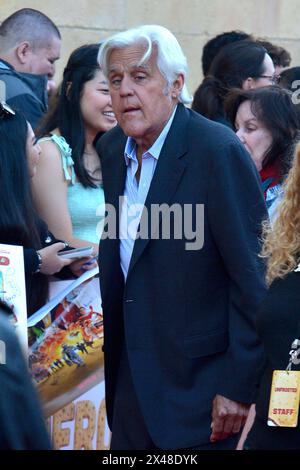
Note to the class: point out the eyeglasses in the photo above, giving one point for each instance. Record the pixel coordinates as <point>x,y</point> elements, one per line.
<point>273,78</point>
<point>5,110</point>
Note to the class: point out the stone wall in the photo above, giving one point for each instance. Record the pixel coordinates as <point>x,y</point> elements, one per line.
<point>192,21</point>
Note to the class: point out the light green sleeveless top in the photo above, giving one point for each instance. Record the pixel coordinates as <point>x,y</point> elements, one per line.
<point>86,205</point>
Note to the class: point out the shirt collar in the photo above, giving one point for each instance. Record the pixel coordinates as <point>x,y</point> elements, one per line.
<point>5,65</point>
<point>155,149</point>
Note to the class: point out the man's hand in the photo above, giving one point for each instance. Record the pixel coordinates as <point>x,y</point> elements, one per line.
<point>228,417</point>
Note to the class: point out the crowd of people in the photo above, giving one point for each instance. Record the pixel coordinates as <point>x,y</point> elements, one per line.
<point>193,331</point>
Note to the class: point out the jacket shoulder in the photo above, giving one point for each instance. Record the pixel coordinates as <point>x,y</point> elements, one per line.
<point>213,137</point>
<point>112,142</point>
<point>210,128</point>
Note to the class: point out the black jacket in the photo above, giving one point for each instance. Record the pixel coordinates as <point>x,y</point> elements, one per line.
<point>187,316</point>
<point>22,425</point>
<point>24,92</point>
<point>278,325</point>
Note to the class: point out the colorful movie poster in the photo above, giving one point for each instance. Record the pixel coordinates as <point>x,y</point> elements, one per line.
<point>12,287</point>
<point>65,342</point>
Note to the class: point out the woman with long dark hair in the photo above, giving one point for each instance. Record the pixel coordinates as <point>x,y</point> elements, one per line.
<point>243,64</point>
<point>19,223</point>
<point>67,187</point>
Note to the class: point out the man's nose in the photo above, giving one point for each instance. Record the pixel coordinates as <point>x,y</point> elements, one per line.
<point>126,87</point>
<point>51,72</point>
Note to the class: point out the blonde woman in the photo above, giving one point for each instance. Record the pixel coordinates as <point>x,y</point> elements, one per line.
<point>278,320</point>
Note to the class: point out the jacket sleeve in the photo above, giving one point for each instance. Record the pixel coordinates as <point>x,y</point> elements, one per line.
<point>31,108</point>
<point>236,209</point>
<point>31,260</point>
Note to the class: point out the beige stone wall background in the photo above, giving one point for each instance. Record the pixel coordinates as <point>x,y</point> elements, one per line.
<point>192,21</point>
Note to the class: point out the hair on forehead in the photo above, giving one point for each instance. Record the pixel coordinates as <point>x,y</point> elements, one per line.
<point>170,58</point>
<point>137,62</point>
<point>29,25</point>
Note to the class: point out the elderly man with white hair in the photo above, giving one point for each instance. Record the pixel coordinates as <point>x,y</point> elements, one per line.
<point>180,276</point>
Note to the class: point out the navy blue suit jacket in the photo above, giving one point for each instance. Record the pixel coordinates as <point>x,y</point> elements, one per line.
<point>187,316</point>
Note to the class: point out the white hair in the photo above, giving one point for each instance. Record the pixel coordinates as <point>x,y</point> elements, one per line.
<point>170,59</point>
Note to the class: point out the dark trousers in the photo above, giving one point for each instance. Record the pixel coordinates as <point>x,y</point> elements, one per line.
<point>129,431</point>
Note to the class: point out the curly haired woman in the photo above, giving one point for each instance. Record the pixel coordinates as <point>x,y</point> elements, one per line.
<point>278,320</point>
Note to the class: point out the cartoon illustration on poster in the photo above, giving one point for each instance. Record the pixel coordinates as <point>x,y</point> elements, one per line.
<point>65,342</point>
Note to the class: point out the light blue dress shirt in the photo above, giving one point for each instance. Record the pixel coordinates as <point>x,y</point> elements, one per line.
<point>135,193</point>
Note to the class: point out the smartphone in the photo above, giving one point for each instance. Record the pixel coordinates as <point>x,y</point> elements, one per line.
<point>76,252</point>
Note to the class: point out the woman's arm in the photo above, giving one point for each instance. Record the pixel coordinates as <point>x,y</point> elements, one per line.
<point>50,194</point>
<point>45,260</point>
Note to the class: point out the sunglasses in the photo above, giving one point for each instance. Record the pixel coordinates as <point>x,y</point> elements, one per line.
<point>5,110</point>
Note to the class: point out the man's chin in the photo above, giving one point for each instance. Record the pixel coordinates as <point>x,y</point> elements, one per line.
<point>131,131</point>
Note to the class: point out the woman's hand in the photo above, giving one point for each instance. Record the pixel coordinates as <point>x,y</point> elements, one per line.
<point>80,265</point>
<point>51,262</point>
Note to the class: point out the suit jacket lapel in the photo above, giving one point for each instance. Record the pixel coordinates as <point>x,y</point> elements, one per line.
<point>167,175</point>
<point>115,175</point>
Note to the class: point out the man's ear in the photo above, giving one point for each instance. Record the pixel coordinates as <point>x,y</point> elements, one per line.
<point>248,84</point>
<point>22,51</point>
<point>177,86</point>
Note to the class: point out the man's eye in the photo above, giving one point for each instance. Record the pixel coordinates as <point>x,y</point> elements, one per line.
<point>139,77</point>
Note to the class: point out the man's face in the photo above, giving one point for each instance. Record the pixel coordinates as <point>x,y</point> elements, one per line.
<point>41,61</point>
<point>140,97</point>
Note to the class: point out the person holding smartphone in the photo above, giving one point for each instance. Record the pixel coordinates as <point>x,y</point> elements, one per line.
<point>19,222</point>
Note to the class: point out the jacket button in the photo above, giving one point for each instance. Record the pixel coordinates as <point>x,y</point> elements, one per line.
<point>128,301</point>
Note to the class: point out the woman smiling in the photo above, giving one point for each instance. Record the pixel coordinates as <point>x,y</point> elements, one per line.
<point>67,187</point>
